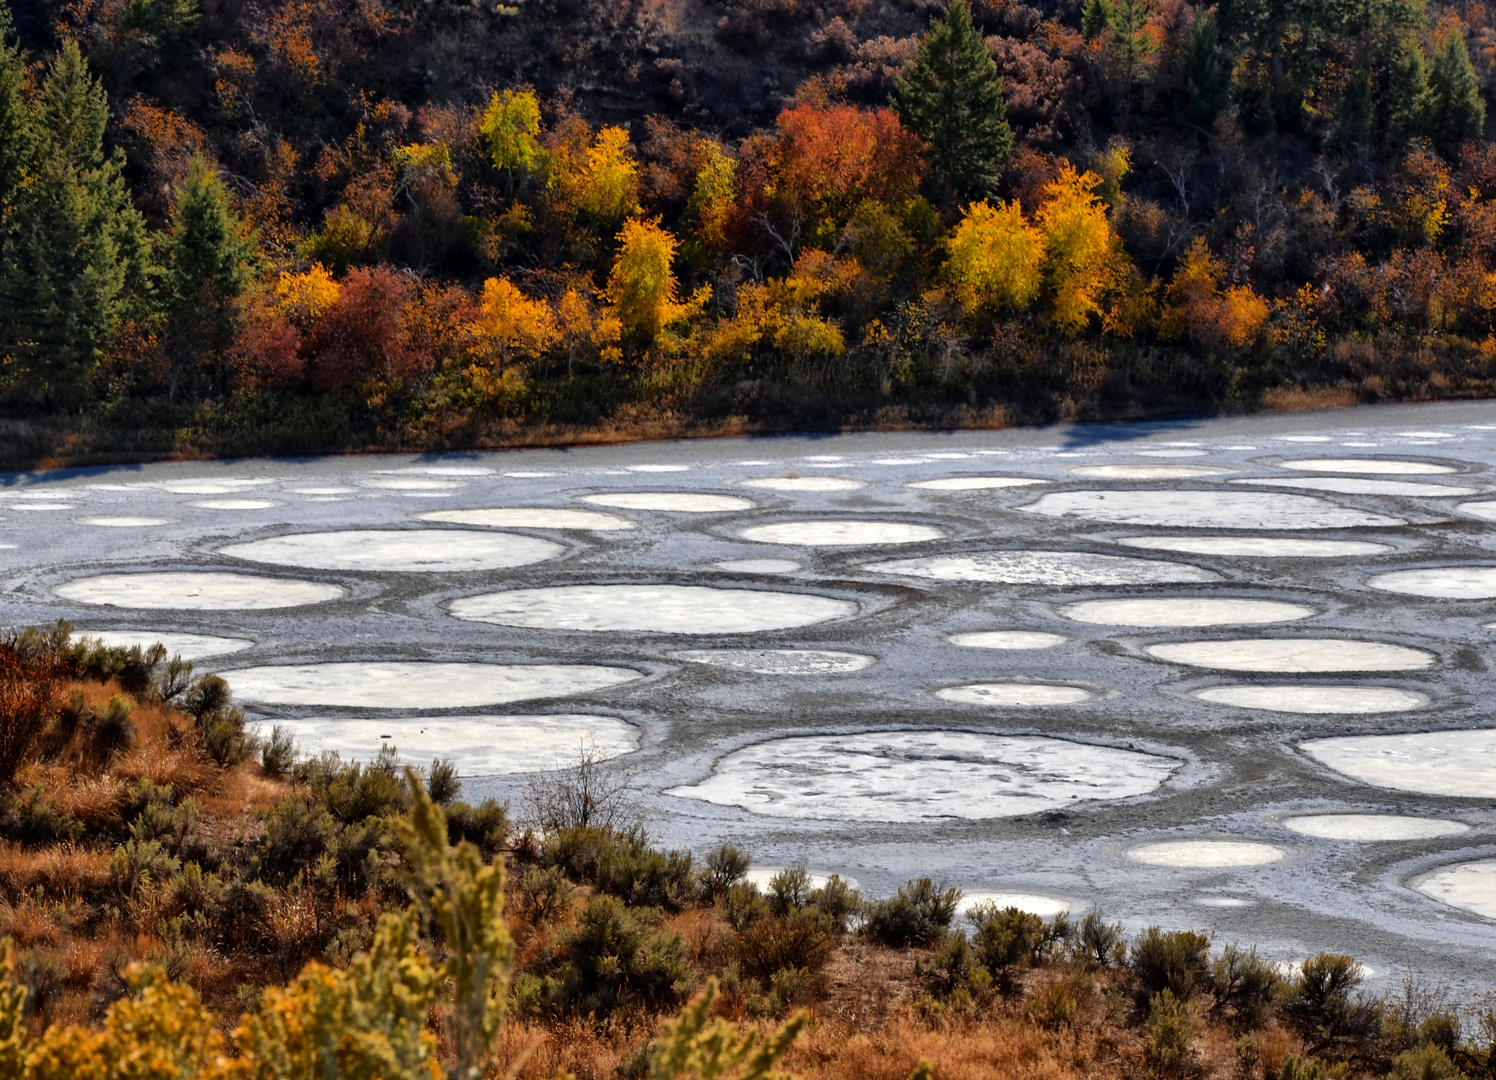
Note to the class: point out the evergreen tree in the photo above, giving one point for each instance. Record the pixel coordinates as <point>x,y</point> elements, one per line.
<point>15,134</point>
<point>1355,112</point>
<point>1207,72</point>
<point>75,249</point>
<point>1130,45</point>
<point>1407,102</point>
<point>210,259</point>
<point>951,96</point>
<point>1456,111</point>
<point>1096,18</point>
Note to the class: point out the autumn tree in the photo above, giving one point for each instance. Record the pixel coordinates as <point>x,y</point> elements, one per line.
<point>996,257</point>
<point>1083,256</point>
<point>509,130</point>
<point>714,194</point>
<point>1196,309</point>
<point>510,326</point>
<point>594,180</point>
<point>951,96</point>
<point>642,286</point>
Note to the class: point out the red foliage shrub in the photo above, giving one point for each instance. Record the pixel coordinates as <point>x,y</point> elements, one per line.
<point>363,336</point>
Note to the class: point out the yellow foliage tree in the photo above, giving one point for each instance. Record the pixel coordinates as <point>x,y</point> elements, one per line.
<point>1083,256</point>
<point>510,325</point>
<point>1195,307</point>
<point>784,313</point>
<point>641,287</point>
<point>305,298</point>
<point>509,130</point>
<point>714,195</point>
<point>601,183</point>
<point>996,257</point>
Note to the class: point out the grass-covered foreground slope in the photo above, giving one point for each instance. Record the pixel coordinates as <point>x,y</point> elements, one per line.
<point>180,899</point>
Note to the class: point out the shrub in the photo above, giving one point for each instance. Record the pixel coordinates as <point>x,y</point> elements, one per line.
<point>486,825</point>
<point>953,969</point>
<point>1006,937</point>
<point>1243,983</point>
<point>353,791</point>
<point>1177,961</point>
<point>442,783</point>
<point>1171,1034</point>
<point>138,864</point>
<point>29,686</point>
<point>918,915</point>
<point>723,867</point>
<point>1424,1063</point>
<point>801,939</point>
<point>592,794</point>
<point>278,753</point>
<point>837,900</point>
<point>1324,1009</point>
<point>298,832</point>
<point>619,957</point>
<point>643,877</point>
<point>1097,943</point>
<point>789,889</point>
<point>543,894</point>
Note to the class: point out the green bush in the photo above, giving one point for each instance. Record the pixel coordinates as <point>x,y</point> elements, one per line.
<point>1244,984</point>
<point>353,791</point>
<point>619,957</point>
<point>1171,1034</point>
<point>1325,1009</point>
<point>722,868</point>
<point>836,900</point>
<point>919,914</point>
<point>643,877</point>
<point>1425,1063</point>
<point>1175,960</point>
<point>803,939</point>
<point>298,832</point>
<point>486,825</point>
<point>1097,943</point>
<point>138,864</point>
<point>278,753</point>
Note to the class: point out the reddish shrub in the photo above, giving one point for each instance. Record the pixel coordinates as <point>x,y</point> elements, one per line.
<point>363,336</point>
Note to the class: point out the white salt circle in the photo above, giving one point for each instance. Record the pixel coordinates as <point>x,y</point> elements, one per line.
<point>1046,907</point>
<point>841,533</point>
<point>907,776</point>
<point>125,522</point>
<point>1015,695</point>
<point>408,483</point>
<point>975,483</point>
<point>1206,854</point>
<point>804,483</point>
<point>1266,547</point>
<point>1357,485</point>
<point>1372,827</point>
<point>1460,764</point>
<point>779,661</point>
<point>1147,471</point>
<point>198,591</point>
<point>1469,886</point>
<point>329,490</point>
<point>40,506</point>
<point>1304,655</point>
<point>1206,510</point>
<point>1184,611</point>
<point>660,609</point>
<point>1007,639</point>
<point>1316,700</point>
<point>477,745</point>
<point>1372,466</point>
<point>1427,435</point>
<point>227,486</point>
<point>759,566</point>
<point>657,468</point>
<point>531,517</point>
<point>680,502</point>
<point>429,550</point>
<point>187,646</point>
<point>1443,582</point>
<point>1046,568</point>
<point>1305,438</point>
<point>420,684</point>
<point>236,504</point>
<point>1171,453</point>
<point>1486,511</point>
<point>445,470</point>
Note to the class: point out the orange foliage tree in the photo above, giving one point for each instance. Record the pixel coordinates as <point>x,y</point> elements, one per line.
<point>1083,256</point>
<point>1197,309</point>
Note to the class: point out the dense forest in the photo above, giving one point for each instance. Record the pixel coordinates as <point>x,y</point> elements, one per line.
<point>324,224</point>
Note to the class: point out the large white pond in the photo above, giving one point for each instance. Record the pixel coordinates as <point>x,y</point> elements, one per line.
<point>779,661</point>
<point>1146,471</point>
<point>1184,611</point>
<point>678,502</point>
<point>424,550</point>
<point>1372,827</point>
<point>975,483</point>
<point>1007,639</point>
<point>1046,568</point>
<point>804,483</point>
<point>1368,466</point>
<point>906,776</point>
<point>1207,854</point>
<point>1469,886</point>
<point>1459,764</point>
<point>1301,655</point>
<point>1442,582</point>
<point>1316,700</point>
<point>532,517</point>
<point>419,684</point>
<point>1206,510</point>
<point>662,609</point>
<point>192,590</point>
<point>841,533</point>
<point>1258,547</point>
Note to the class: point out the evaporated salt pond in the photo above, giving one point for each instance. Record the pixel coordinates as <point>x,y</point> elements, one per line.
<point>1007,639</point>
<point>779,661</point>
<point>1046,907</point>
<point>428,550</point>
<point>907,776</point>
<point>419,684</point>
<point>1264,547</point>
<point>841,533</point>
<point>1012,695</point>
<point>1460,764</point>
<point>1354,485</point>
<point>663,609</point>
<point>531,517</point>
<point>679,502</point>
<point>1046,568</point>
<point>1206,510</point>
<point>187,646</point>
<point>236,504</point>
<point>1469,886</point>
<point>1442,582</point>
<point>804,483</point>
<point>1185,611</point>
<point>1146,471</point>
<point>476,745</point>
<point>197,591</point>
<point>975,483</point>
<point>1207,854</point>
<point>1316,700</point>
<point>125,522</point>
<point>1372,827</point>
<point>1371,466</point>
<point>408,483</point>
<point>1301,655</point>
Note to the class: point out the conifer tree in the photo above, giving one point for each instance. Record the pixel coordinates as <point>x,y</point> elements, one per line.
<point>951,96</point>
<point>1096,18</point>
<point>15,135</point>
<point>1407,101</point>
<point>1130,45</point>
<point>1456,111</point>
<point>1356,112</point>
<point>1207,72</point>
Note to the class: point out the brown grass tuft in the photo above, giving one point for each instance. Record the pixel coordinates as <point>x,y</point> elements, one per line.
<point>64,869</point>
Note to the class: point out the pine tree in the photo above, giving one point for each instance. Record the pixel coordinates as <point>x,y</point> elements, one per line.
<point>1130,45</point>
<point>1207,73</point>
<point>15,135</point>
<point>75,249</point>
<point>1407,101</point>
<point>1096,18</point>
<point>1355,117</point>
<point>951,96</point>
<point>1456,111</point>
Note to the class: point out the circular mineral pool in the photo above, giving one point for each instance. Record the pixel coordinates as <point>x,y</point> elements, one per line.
<point>1459,764</point>
<point>1468,886</point>
<point>658,468</point>
<point>804,483</point>
<point>779,661</point>
<point>1146,471</point>
<point>1368,466</point>
<point>531,517</point>
<point>975,483</point>
<point>1369,827</point>
<point>428,550</point>
<point>1358,485</point>
<point>1046,568</point>
<point>476,745</point>
<point>236,504</point>
<point>198,591</point>
<point>1007,639</point>
<point>1317,700</point>
<point>680,502</point>
<point>841,533</point>
<point>1015,695</point>
<point>1184,611</point>
<point>408,483</point>
<point>1264,547</point>
<point>1303,655</point>
<point>226,486</point>
<point>40,506</point>
<point>1442,582</point>
<point>661,609</point>
<point>908,776</point>
<point>124,522</point>
<point>419,684</point>
<point>187,646</point>
<point>332,489</point>
<point>1046,907</point>
<point>1206,510</point>
<point>1206,854</point>
<point>1486,511</point>
<point>758,566</point>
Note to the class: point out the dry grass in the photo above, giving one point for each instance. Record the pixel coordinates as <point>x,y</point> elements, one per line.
<point>1302,399</point>
<point>63,869</point>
